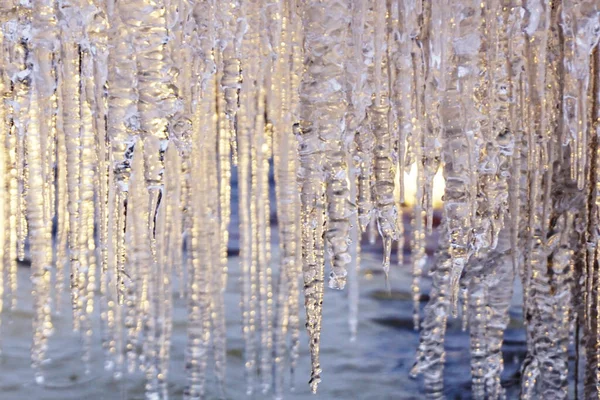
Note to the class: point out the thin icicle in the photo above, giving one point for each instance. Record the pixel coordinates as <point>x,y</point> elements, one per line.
<point>198,344</point>
<point>354,266</point>
<point>223,174</point>
<point>285,162</point>
<point>136,240</point>
<point>88,162</point>
<point>297,66</point>
<point>246,177</point>
<point>20,71</point>
<point>5,232</point>
<point>262,240</point>
<point>40,254</point>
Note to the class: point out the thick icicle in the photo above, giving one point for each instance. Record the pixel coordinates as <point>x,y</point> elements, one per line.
<point>430,353</point>
<point>580,23</point>
<point>322,158</point>
<point>488,318</point>
<point>230,79</point>
<point>460,122</point>
<point>123,123</point>
<point>592,322</point>
<point>71,85</point>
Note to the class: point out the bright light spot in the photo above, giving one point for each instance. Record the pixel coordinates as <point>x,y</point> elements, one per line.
<point>410,187</point>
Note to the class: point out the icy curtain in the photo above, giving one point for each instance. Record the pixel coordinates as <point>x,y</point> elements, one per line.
<point>123,121</point>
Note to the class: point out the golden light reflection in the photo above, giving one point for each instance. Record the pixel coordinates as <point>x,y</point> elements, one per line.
<point>410,187</point>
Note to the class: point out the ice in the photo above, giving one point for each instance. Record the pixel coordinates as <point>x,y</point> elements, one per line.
<point>123,123</point>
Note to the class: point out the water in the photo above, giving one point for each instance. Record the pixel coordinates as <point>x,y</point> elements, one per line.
<point>375,366</point>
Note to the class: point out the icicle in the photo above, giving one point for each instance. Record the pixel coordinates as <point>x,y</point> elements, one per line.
<point>230,79</point>
<point>11,210</point>
<point>263,237</point>
<point>497,141</point>
<point>477,315</point>
<point>61,195</point>
<point>88,161</point>
<point>137,258</point>
<point>365,141</point>
<point>297,65</point>
<point>20,76</point>
<point>592,357</point>
<point>322,119</point>
<point>281,330</point>
<point>402,87</point>
<point>416,137</point>
<point>418,256</point>
<point>498,304</point>
<point>185,40</point>
<point>285,162</point>
<point>44,46</point>
<point>246,256</point>
<point>516,48</point>
<point>224,212</point>
<point>214,236</point>
<point>247,208</point>
<point>488,318</point>
<point>372,231</point>
<point>163,295</point>
<point>72,126</point>
<point>430,353</point>
<point>356,75</point>
<point>123,122</point>
<point>435,37</point>
<point>354,266</point>
<point>580,23</point>
<point>535,277</point>
<point>197,348</point>
<point>5,193</point>
<point>169,236</point>
<point>332,133</point>
<point>460,121</point>
<point>21,113</point>
<point>359,99</point>
<point>40,260</point>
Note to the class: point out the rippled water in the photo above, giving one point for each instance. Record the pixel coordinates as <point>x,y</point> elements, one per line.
<point>376,366</point>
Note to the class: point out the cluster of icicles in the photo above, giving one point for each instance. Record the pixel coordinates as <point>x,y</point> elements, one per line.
<point>121,122</point>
